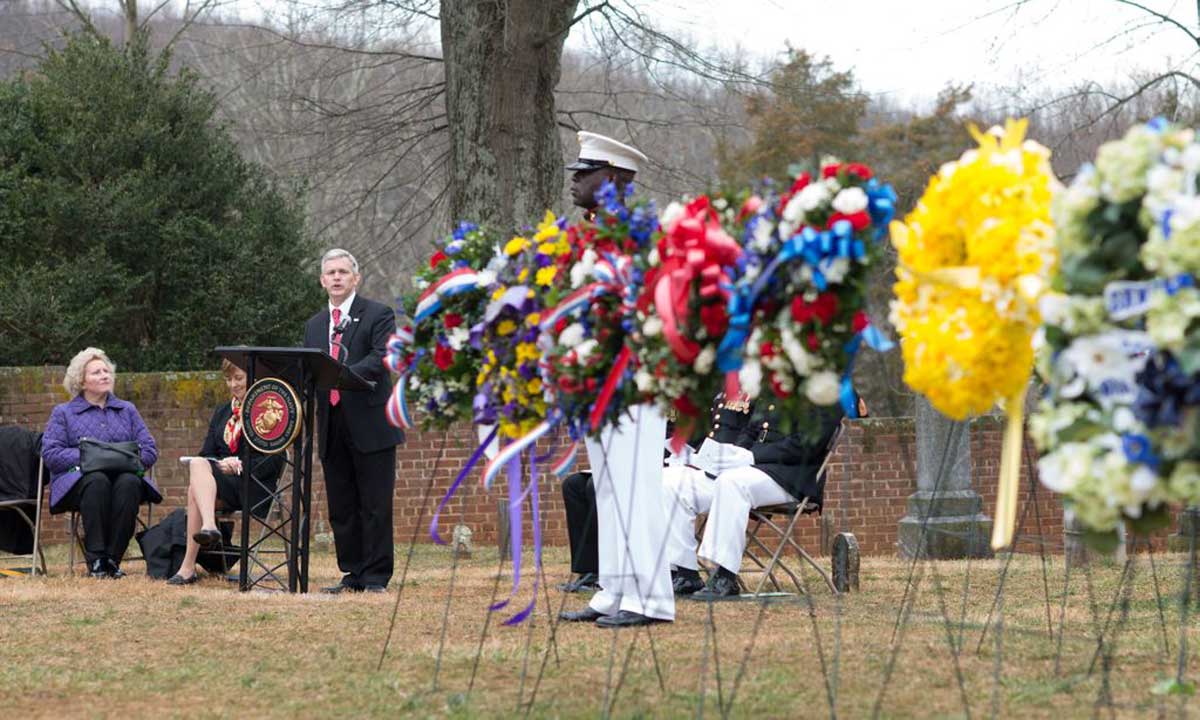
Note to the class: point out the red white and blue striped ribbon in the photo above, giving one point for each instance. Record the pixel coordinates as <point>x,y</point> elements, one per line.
<point>447,285</point>
<point>397,408</point>
<point>575,301</point>
<point>566,460</point>
<point>513,450</point>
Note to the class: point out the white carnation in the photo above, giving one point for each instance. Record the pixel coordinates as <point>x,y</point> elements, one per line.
<point>644,380</point>
<point>458,337</point>
<point>834,269</point>
<point>850,201</point>
<point>571,336</point>
<point>761,242</point>
<point>812,197</point>
<point>1053,306</point>
<point>585,349</point>
<point>673,212</point>
<point>582,270</point>
<point>750,376</point>
<point>1063,469</point>
<point>703,363</point>
<point>578,275</point>
<point>801,360</point>
<point>822,388</point>
<point>793,212</point>
<point>652,327</point>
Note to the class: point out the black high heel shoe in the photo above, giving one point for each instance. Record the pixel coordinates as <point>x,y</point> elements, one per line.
<point>207,536</point>
<point>178,579</point>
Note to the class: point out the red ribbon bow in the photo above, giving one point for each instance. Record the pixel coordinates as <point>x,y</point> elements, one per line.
<point>694,247</point>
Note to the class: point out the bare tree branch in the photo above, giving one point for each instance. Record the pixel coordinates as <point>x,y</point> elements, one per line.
<point>567,28</point>
<point>1162,17</point>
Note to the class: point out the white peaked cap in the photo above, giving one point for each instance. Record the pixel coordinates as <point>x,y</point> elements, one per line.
<point>598,151</point>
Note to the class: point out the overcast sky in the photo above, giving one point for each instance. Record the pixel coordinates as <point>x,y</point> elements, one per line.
<point>911,49</point>
<point>914,48</point>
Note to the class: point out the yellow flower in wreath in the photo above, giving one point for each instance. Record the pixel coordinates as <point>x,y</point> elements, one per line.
<point>545,276</point>
<point>516,245</point>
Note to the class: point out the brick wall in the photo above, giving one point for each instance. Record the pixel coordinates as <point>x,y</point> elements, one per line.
<point>872,472</point>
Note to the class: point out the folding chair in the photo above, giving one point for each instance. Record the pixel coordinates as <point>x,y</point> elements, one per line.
<point>228,519</point>
<point>769,562</point>
<point>75,533</point>
<point>233,551</point>
<point>21,506</point>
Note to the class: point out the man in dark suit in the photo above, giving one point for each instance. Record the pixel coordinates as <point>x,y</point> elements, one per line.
<point>358,446</point>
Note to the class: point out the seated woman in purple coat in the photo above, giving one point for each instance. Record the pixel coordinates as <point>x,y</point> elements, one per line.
<point>107,501</point>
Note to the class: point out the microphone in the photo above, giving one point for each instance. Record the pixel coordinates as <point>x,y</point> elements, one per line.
<point>344,355</point>
<point>335,338</point>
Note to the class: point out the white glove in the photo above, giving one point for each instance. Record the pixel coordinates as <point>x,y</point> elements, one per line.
<point>732,456</point>
<point>683,457</point>
<point>714,457</point>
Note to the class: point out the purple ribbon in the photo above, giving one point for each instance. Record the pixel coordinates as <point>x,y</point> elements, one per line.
<point>462,475</point>
<point>514,526</point>
<point>532,490</point>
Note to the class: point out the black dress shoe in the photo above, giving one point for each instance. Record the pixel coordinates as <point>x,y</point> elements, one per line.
<point>98,569</point>
<point>207,536</point>
<point>374,588</point>
<point>178,579</point>
<point>341,588</point>
<point>684,583</point>
<point>585,615</point>
<point>114,570</point>
<point>587,582</point>
<point>722,585</point>
<point>627,618</point>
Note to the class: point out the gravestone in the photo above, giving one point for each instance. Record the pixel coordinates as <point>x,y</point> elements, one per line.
<point>462,541</point>
<point>945,517</point>
<point>845,558</point>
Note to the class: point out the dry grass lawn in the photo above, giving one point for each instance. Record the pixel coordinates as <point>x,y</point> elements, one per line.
<point>75,647</point>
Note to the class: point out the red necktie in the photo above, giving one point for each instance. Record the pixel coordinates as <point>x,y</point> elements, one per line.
<point>335,351</point>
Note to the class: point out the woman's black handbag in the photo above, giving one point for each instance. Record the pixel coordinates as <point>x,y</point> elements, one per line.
<point>109,457</point>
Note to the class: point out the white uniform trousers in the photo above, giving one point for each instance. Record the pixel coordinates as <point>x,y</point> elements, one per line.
<point>627,473</point>
<point>687,492</point>
<point>727,500</point>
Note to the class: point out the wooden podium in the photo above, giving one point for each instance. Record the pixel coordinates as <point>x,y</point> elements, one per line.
<point>307,371</point>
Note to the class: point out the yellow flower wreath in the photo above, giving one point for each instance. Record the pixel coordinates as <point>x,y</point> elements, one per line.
<point>973,259</point>
<point>974,256</point>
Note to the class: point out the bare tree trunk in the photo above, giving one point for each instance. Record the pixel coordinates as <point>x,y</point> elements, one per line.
<point>502,63</point>
<point>130,11</point>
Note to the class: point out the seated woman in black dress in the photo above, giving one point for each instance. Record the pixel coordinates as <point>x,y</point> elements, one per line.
<point>216,475</point>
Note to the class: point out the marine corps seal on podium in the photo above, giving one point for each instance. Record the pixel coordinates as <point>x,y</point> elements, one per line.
<point>271,416</point>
